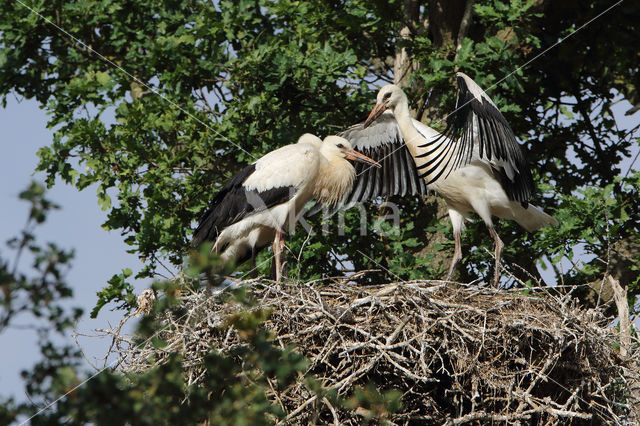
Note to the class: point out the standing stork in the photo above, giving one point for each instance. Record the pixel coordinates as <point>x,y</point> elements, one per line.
<point>476,164</point>
<point>265,197</point>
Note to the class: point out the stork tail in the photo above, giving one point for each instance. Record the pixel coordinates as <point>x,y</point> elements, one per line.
<point>533,218</point>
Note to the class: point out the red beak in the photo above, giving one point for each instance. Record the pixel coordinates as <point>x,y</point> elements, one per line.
<point>357,156</point>
<point>375,113</point>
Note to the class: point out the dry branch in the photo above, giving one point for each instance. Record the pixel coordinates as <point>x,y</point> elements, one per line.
<point>459,354</point>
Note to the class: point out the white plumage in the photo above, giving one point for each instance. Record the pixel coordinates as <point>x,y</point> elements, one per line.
<point>264,199</point>
<point>476,164</point>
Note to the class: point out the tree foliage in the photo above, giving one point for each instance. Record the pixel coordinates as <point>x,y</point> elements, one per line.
<point>236,385</point>
<point>40,292</point>
<point>35,298</point>
<point>158,103</point>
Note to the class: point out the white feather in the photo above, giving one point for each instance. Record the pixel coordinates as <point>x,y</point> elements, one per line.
<point>291,165</point>
<point>309,167</point>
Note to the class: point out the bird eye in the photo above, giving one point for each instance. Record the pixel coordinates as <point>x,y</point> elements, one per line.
<point>340,146</point>
<point>386,96</point>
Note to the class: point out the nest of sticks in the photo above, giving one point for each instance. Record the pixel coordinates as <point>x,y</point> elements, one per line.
<point>459,354</point>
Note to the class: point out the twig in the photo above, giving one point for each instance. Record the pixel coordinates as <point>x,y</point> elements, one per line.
<point>490,351</point>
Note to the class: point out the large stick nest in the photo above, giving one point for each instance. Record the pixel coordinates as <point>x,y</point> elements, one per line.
<point>459,354</point>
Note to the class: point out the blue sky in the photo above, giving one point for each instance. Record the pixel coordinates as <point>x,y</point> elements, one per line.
<point>77,225</point>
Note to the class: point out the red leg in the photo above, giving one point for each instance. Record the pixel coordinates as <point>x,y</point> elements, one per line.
<point>457,255</point>
<point>283,256</point>
<point>499,245</point>
<point>278,250</point>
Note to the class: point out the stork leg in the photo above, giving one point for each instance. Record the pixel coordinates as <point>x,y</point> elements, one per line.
<point>457,222</point>
<point>278,246</point>
<point>276,255</point>
<point>283,258</point>
<point>499,245</point>
<point>457,254</point>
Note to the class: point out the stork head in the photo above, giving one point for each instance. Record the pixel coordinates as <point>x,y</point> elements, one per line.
<point>388,98</point>
<point>336,175</point>
<point>340,147</point>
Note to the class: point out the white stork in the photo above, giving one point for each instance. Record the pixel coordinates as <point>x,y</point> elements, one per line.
<point>265,198</point>
<point>476,165</point>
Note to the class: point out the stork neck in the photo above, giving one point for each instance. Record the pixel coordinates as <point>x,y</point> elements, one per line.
<point>335,178</point>
<point>410,134</point>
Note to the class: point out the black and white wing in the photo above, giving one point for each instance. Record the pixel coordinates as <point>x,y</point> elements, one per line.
<point>273,179</point>
<point>383,142</point>
<point>477,130</point>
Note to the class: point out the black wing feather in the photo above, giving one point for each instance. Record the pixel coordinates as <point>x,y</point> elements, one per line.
<point>382,141</point>
<point>359,185</point>
<point>387,168</point>
<point>234,202</point>
<point>413,188</point>
<point>495,139</point>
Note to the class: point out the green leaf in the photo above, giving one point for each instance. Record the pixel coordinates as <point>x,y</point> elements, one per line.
<point>102,77</point>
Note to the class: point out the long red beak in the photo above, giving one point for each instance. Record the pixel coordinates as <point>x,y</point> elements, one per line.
<point>375,113</point>
<point>358,156</point>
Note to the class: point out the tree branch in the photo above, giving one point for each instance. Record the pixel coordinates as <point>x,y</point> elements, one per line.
<point>465,23</point>
<point>585,114</point>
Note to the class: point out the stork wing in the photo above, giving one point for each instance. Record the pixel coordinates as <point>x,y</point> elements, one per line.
<point>383,142</point>
<point>273,179</point>
<point>480,131</point>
